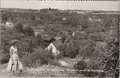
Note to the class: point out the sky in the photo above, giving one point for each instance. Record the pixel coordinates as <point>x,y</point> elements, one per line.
<point>62,5</point>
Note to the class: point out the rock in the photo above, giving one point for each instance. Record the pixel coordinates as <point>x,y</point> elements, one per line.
<point>63,63</point>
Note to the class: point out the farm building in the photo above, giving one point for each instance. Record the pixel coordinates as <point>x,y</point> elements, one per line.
<point>9,24</point>
<point>94,19</point>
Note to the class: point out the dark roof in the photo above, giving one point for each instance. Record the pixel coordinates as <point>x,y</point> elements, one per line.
<point>47,37</point>
<point>57,43</point>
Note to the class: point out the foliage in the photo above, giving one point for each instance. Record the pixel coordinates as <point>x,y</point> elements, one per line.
<point>6,36</point>
<point>4,17</point>
<point>87,49</point>
<point>4,58</point>
<point>80,65</point>
<point>23,43</point>
<point>88,42</point>
<point>72,20</point>
<point>111,62</point>
<point>69,49</point>
<point>40,41</point>
<point>84,21</point>
<point>38,57</point>
<point>83,68</point>
<point>19,27</point>
<point>28,31</point>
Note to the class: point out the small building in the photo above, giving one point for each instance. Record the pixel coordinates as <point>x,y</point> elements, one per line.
<point>36,33</point>
<point>94,19</point>
<point>9,24</point>
<point>64,19</point>
<point>54,47</point>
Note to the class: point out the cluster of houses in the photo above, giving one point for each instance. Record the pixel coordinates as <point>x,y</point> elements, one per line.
<point>94,19</point>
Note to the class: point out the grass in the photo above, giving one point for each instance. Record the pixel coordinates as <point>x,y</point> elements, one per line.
<point>43,71</point>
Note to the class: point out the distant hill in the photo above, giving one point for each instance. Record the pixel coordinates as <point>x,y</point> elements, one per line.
<point>69,10</point>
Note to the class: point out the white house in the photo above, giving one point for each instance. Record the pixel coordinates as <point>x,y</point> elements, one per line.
<point>54,47</point>
<point>94,19</point>
<point>9,24</point>
<point>64,19</point>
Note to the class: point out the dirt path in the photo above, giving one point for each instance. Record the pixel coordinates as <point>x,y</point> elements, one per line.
<point>43,71</point>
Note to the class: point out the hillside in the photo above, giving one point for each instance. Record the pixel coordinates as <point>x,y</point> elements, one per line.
<point>86,41</point>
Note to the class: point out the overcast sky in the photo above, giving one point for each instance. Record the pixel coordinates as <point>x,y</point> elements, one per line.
<point>79,5</point>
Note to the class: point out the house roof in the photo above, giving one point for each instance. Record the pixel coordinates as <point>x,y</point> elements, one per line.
<point>47,37</point>
<point>57,43</point>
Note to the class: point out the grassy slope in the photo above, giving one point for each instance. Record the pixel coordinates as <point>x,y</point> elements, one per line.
<point>44,71</point>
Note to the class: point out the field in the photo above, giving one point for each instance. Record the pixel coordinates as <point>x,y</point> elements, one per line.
<point>88,41</point>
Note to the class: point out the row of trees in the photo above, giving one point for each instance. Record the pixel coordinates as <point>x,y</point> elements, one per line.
<point>27,30</point>
<point>44,17</point>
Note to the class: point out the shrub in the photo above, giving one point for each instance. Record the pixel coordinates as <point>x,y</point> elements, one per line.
<point>40,41</point>
<point>90,73</point>
<point>6,36</point>
<point>84,22</point>
<point>28,31</point>
<point>72,20</point>
<point>4,17</point>
<point>4,57</point>
<point>80,65</point>
<point>27,44</point>
<point>19,27</point>
<point>38,57</point>
<point>54,62</point>
<point>88,49</point>
<point>111,62</point>
<point>69,49</point>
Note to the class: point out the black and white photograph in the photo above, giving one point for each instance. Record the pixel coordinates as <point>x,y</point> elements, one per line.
<point>59,38</point>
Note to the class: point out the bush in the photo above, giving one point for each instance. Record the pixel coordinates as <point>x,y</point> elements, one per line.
<point>4,58</point>
<point>69,49</point>
<point>37,58</point>
<point>24,43</point>
<point>19,27</point>
<point>4,17</point>
<point>91,73</point>
<point>40,41</point>
<point>28,31</point>
<point>80,65</point>
<point>111,62</point>
<point>88,48</point>
<point>72,20</point>
<point>6,36</point>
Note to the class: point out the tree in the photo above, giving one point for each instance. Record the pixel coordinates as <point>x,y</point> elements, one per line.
<point>33,17</point>
<point>19,27</point>
<point>6,36</point>
<point>72,21</point>
<point>110,64</point>
<point>84,21</point>
<point>28,31</point>
<point>4,17</point>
